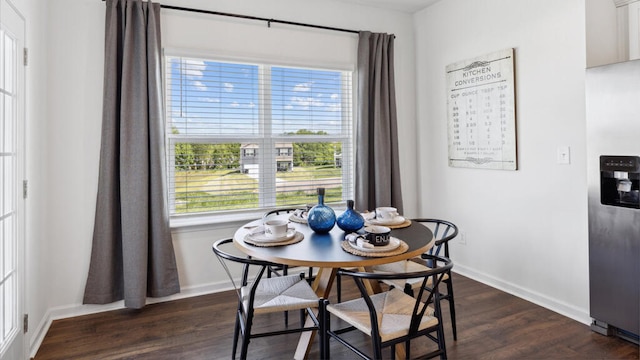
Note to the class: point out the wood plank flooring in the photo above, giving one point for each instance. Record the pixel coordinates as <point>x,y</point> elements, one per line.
<point>491,325</point>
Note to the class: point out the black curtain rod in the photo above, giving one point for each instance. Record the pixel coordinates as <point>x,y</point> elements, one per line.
<point>268,21</point>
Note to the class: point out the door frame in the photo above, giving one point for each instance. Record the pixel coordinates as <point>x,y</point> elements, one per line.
<point>14,23</point>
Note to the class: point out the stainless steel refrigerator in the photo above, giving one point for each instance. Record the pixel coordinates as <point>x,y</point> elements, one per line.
<point>613,165</point>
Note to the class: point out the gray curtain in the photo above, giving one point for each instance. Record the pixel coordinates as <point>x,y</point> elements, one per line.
<point>377,161</point>
<point>132,257</point>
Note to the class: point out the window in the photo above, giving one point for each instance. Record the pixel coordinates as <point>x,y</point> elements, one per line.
<point>247,136</point>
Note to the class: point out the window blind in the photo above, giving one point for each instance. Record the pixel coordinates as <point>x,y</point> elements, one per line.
<point>250,135</point>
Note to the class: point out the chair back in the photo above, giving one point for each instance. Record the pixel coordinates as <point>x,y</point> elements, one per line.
<point>278,212</point>
<point>426,296</point>
<point>222,248</point>
<point>443,232</point>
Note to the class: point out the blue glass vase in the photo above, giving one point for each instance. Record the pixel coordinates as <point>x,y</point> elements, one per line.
<point>350,220</point>
<point>321,218</point>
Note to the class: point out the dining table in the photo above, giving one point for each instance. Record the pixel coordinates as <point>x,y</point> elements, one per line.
<point>328,252</point>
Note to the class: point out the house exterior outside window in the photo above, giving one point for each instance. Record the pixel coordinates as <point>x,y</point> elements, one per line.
<point>249,161</point>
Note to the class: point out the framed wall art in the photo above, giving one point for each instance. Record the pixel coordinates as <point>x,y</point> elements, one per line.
<point>481,112</point>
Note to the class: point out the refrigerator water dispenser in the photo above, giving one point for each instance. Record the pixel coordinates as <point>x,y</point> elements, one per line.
<point>619,181</point>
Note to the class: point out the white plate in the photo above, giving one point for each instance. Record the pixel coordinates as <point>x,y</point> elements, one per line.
<point>395,221</point>
<point>258,235</point>
<point>392,245</point>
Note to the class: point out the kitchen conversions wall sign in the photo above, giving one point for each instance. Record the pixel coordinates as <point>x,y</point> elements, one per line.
<point>481,112</point>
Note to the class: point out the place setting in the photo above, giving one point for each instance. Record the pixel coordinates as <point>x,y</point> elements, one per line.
<point>386,216</point>
<point>374,241</point>
<point>300,215</point>
<point>273,233</point>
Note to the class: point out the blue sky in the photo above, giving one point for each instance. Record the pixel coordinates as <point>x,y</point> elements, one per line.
<point>223,98</point>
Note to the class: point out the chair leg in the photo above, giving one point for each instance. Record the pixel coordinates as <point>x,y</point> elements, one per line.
<point>440,329</point>
<point>285,272</point>
<point>452,307</point>
<point>324,321</point>
<point>246,338</point>
<point>377,349</point>
<point>339,287</point>
<point>236,332</point>
<point>310,278</point>
<point>408,290</point>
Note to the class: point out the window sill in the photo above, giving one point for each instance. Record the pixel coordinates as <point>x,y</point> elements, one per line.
<point>202,222</point>
<point>186,223</point>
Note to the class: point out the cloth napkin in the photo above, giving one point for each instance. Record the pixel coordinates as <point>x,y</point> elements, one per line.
<point>359,241</point>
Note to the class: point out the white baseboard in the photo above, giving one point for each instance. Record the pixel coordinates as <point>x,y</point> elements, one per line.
<point>64,312</point>
<point>578,314</point>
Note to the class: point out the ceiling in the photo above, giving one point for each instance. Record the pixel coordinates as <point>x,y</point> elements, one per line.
<point>408,6</point>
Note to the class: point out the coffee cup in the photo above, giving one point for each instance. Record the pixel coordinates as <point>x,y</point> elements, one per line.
<point>386,213</point>
<point>377,235</point>
<point>276,228</point>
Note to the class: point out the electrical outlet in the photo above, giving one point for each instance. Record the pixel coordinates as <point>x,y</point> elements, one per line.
<point>462,238</point>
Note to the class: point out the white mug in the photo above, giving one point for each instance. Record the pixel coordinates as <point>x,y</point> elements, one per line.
<point>276,228</point>
<point>386,213</point>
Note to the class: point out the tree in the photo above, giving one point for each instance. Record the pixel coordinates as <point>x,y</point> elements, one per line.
<point>200,156</point>
<point>315,153</point>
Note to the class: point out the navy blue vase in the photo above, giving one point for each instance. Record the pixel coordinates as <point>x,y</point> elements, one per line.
<point>350,220</point>
<point>321,218</point>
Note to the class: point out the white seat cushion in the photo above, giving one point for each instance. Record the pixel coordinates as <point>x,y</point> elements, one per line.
<point>281,294</point>
<point>394,309</point>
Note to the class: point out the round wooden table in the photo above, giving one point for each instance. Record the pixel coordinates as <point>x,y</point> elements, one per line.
<point>325,252</point>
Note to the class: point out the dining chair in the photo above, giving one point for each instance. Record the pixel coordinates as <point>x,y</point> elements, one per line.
<point>443,232</point>
<point>261,295</point>
<point>280,267</point>
<point>390,317</point>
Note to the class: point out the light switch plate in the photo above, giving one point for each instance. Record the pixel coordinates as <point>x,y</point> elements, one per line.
<point>564,155</point>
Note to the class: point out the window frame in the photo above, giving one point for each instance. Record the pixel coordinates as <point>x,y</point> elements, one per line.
<point>263,140</point>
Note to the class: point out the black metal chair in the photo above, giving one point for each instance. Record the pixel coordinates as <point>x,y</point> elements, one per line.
<point>391,317</point>
<point>279,267</point>
<point>443,231</point>
<point>261,295</point>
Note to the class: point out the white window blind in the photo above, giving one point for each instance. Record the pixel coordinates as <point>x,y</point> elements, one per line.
<point>250,136</point>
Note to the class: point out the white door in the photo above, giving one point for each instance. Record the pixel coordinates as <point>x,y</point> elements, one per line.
<point>12,284</point>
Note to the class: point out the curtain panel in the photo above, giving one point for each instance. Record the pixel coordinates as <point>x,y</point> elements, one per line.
<point>132,256</point>
<point>377,166</point>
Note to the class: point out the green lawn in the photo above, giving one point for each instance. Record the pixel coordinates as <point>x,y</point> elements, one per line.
<point>209,190</point>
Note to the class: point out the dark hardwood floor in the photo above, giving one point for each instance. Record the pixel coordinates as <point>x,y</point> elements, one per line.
<point>491,325</point>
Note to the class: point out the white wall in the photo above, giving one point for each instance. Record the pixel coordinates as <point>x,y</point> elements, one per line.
<point>510,219</point>
<point>526,230</point>
<point>65,136</point>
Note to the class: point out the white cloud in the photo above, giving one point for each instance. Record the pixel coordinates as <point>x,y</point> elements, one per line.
<point>199,85</point>
<point>305,102</point>
<point>228,87</point>
<point>303,87</point>
<point>234,104</point>
<point>194,68</point>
